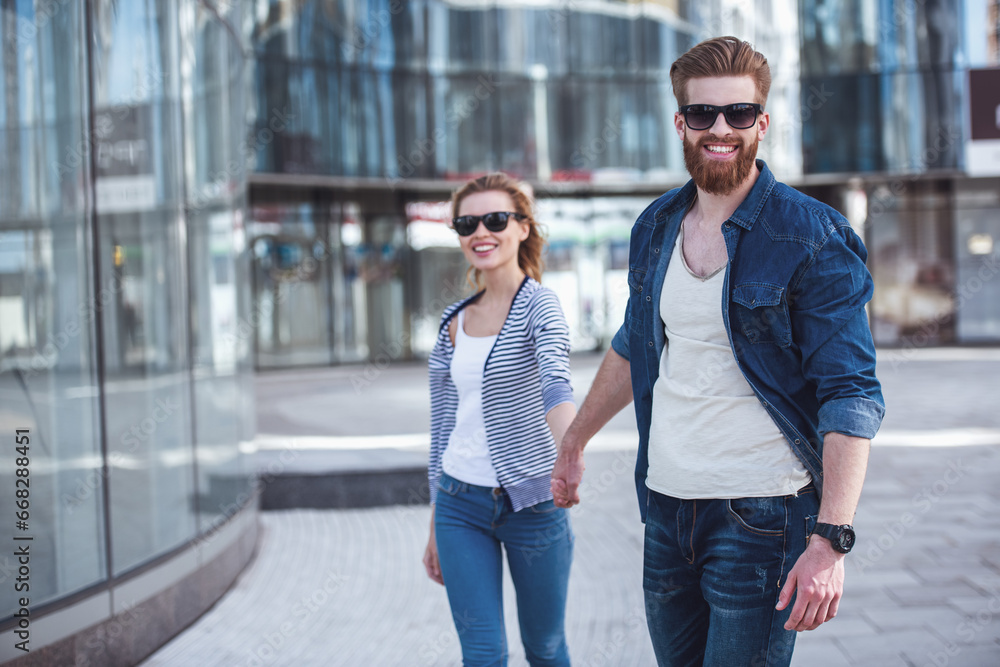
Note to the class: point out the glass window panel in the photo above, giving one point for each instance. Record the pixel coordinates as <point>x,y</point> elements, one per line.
<point>212,165</point>
<point>298,144</point>
<point>382,270</point>
<point>471,39</point>
<point>273,97</point>
<point>138,123</point>
<point>600,125</point>
<point>147,385</point>
<point>411,34</point>
<point>291,286</point>
<point>977,251</point>
<point>517,136</point>
<point>217,379</point>
<point>328,86</point>
<point>48,382</point>
<point>220,332</point>
<point>826,147</point>
<point>416,143</point>
<point>384,125</point>
<point>350,320</point>
<point>842,36</point>
<point>531,37</point>
<point>922,124</point>
<point>470,146</point>
<point>351,117</point>
<point>912,261</point>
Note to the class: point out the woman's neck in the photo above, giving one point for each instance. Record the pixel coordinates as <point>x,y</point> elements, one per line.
<point>501,286</point>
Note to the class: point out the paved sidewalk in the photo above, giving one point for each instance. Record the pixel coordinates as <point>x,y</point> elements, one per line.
<point>346,587</point>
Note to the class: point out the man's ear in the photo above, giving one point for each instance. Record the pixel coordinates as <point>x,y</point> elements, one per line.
<point>763,123</point>
<point>679,125</point>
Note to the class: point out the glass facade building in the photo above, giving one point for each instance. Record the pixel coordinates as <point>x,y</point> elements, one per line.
<point>384,105</point>
<point>124,282</point>
<point>892,123</point>
<point>387,104</point>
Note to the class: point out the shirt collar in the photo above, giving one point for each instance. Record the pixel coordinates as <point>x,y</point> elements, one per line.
<point>746,215</point>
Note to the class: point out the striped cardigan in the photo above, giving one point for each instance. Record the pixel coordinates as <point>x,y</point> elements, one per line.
<point>526,374</point>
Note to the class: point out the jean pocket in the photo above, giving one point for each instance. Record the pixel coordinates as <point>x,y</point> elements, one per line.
<point>762,516</point>
<point>763,313</point>
<point>449,485</point>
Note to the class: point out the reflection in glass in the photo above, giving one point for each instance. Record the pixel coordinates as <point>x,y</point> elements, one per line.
<point>48,378</point>
<point>142,259</point>
<point>291,286</point>
<point>896,70</point>
<point>911,258</point>
<point>438,90</point>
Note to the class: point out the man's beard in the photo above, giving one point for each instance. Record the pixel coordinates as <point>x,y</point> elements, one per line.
<point>714,177</point>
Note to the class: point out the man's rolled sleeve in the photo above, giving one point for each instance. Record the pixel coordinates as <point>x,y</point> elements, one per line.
<point>855,416</point>
<point>834,339</point>
<point>620,342</point>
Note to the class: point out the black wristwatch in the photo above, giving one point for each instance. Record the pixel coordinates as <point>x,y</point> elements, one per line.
<point>841,537</point>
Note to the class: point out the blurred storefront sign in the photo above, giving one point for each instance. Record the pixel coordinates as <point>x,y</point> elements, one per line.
<point>126,181</point>
<point>982,152</point>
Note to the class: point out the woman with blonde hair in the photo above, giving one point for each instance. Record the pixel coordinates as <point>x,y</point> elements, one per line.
<point>500,403</point>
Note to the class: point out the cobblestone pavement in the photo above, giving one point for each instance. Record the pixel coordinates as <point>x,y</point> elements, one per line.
<point>346,587</point>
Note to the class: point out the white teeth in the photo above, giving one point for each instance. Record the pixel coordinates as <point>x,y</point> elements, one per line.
<point>721,149</point>
<point>483,248</point>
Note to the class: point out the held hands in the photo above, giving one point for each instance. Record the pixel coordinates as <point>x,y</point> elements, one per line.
<point>818,575</point>
<point>566,476</point>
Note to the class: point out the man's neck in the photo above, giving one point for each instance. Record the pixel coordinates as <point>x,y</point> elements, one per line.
<point>712,210</point>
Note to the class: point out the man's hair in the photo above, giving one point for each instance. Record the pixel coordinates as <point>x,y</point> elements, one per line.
<point>720,56</point>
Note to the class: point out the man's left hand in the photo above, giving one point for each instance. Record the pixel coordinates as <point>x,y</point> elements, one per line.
<point>818,576</point>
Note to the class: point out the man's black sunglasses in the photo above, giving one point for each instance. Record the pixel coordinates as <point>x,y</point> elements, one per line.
<point>739,116</point>
<point>495,222</point>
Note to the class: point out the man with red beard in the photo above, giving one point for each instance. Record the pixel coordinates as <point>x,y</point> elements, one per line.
<point>755,418</point>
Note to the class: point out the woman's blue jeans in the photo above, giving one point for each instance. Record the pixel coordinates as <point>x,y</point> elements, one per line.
<point>470,524</point>
<point>711,576</point>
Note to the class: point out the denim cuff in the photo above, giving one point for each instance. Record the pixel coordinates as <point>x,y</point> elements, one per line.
<point>857,417</point>
<point>620,343</point>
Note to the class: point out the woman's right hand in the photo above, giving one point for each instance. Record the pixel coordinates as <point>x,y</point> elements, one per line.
<point>431,563</point>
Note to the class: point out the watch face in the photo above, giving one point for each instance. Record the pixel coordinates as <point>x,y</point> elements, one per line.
<point>846,539</point>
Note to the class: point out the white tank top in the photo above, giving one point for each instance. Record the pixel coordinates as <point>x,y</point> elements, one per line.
<point>709,436</point>
<point>467,456</point>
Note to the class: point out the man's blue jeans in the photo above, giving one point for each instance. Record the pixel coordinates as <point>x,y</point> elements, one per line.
<point>711,576</point>
<point>470,524</point>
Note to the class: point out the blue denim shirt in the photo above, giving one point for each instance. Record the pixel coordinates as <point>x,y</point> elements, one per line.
<point>794,300</point>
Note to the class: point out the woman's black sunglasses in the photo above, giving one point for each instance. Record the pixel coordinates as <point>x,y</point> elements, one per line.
<point>495,222</point>
<point>739,116</point>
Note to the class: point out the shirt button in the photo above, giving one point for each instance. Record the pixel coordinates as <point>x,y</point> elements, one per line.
<point>640,288</point>
<point>651,343</point>
<point>649,298</point>
<point>655,250</point>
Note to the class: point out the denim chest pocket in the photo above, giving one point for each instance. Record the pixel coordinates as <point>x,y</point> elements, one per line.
<point>763,313</point>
